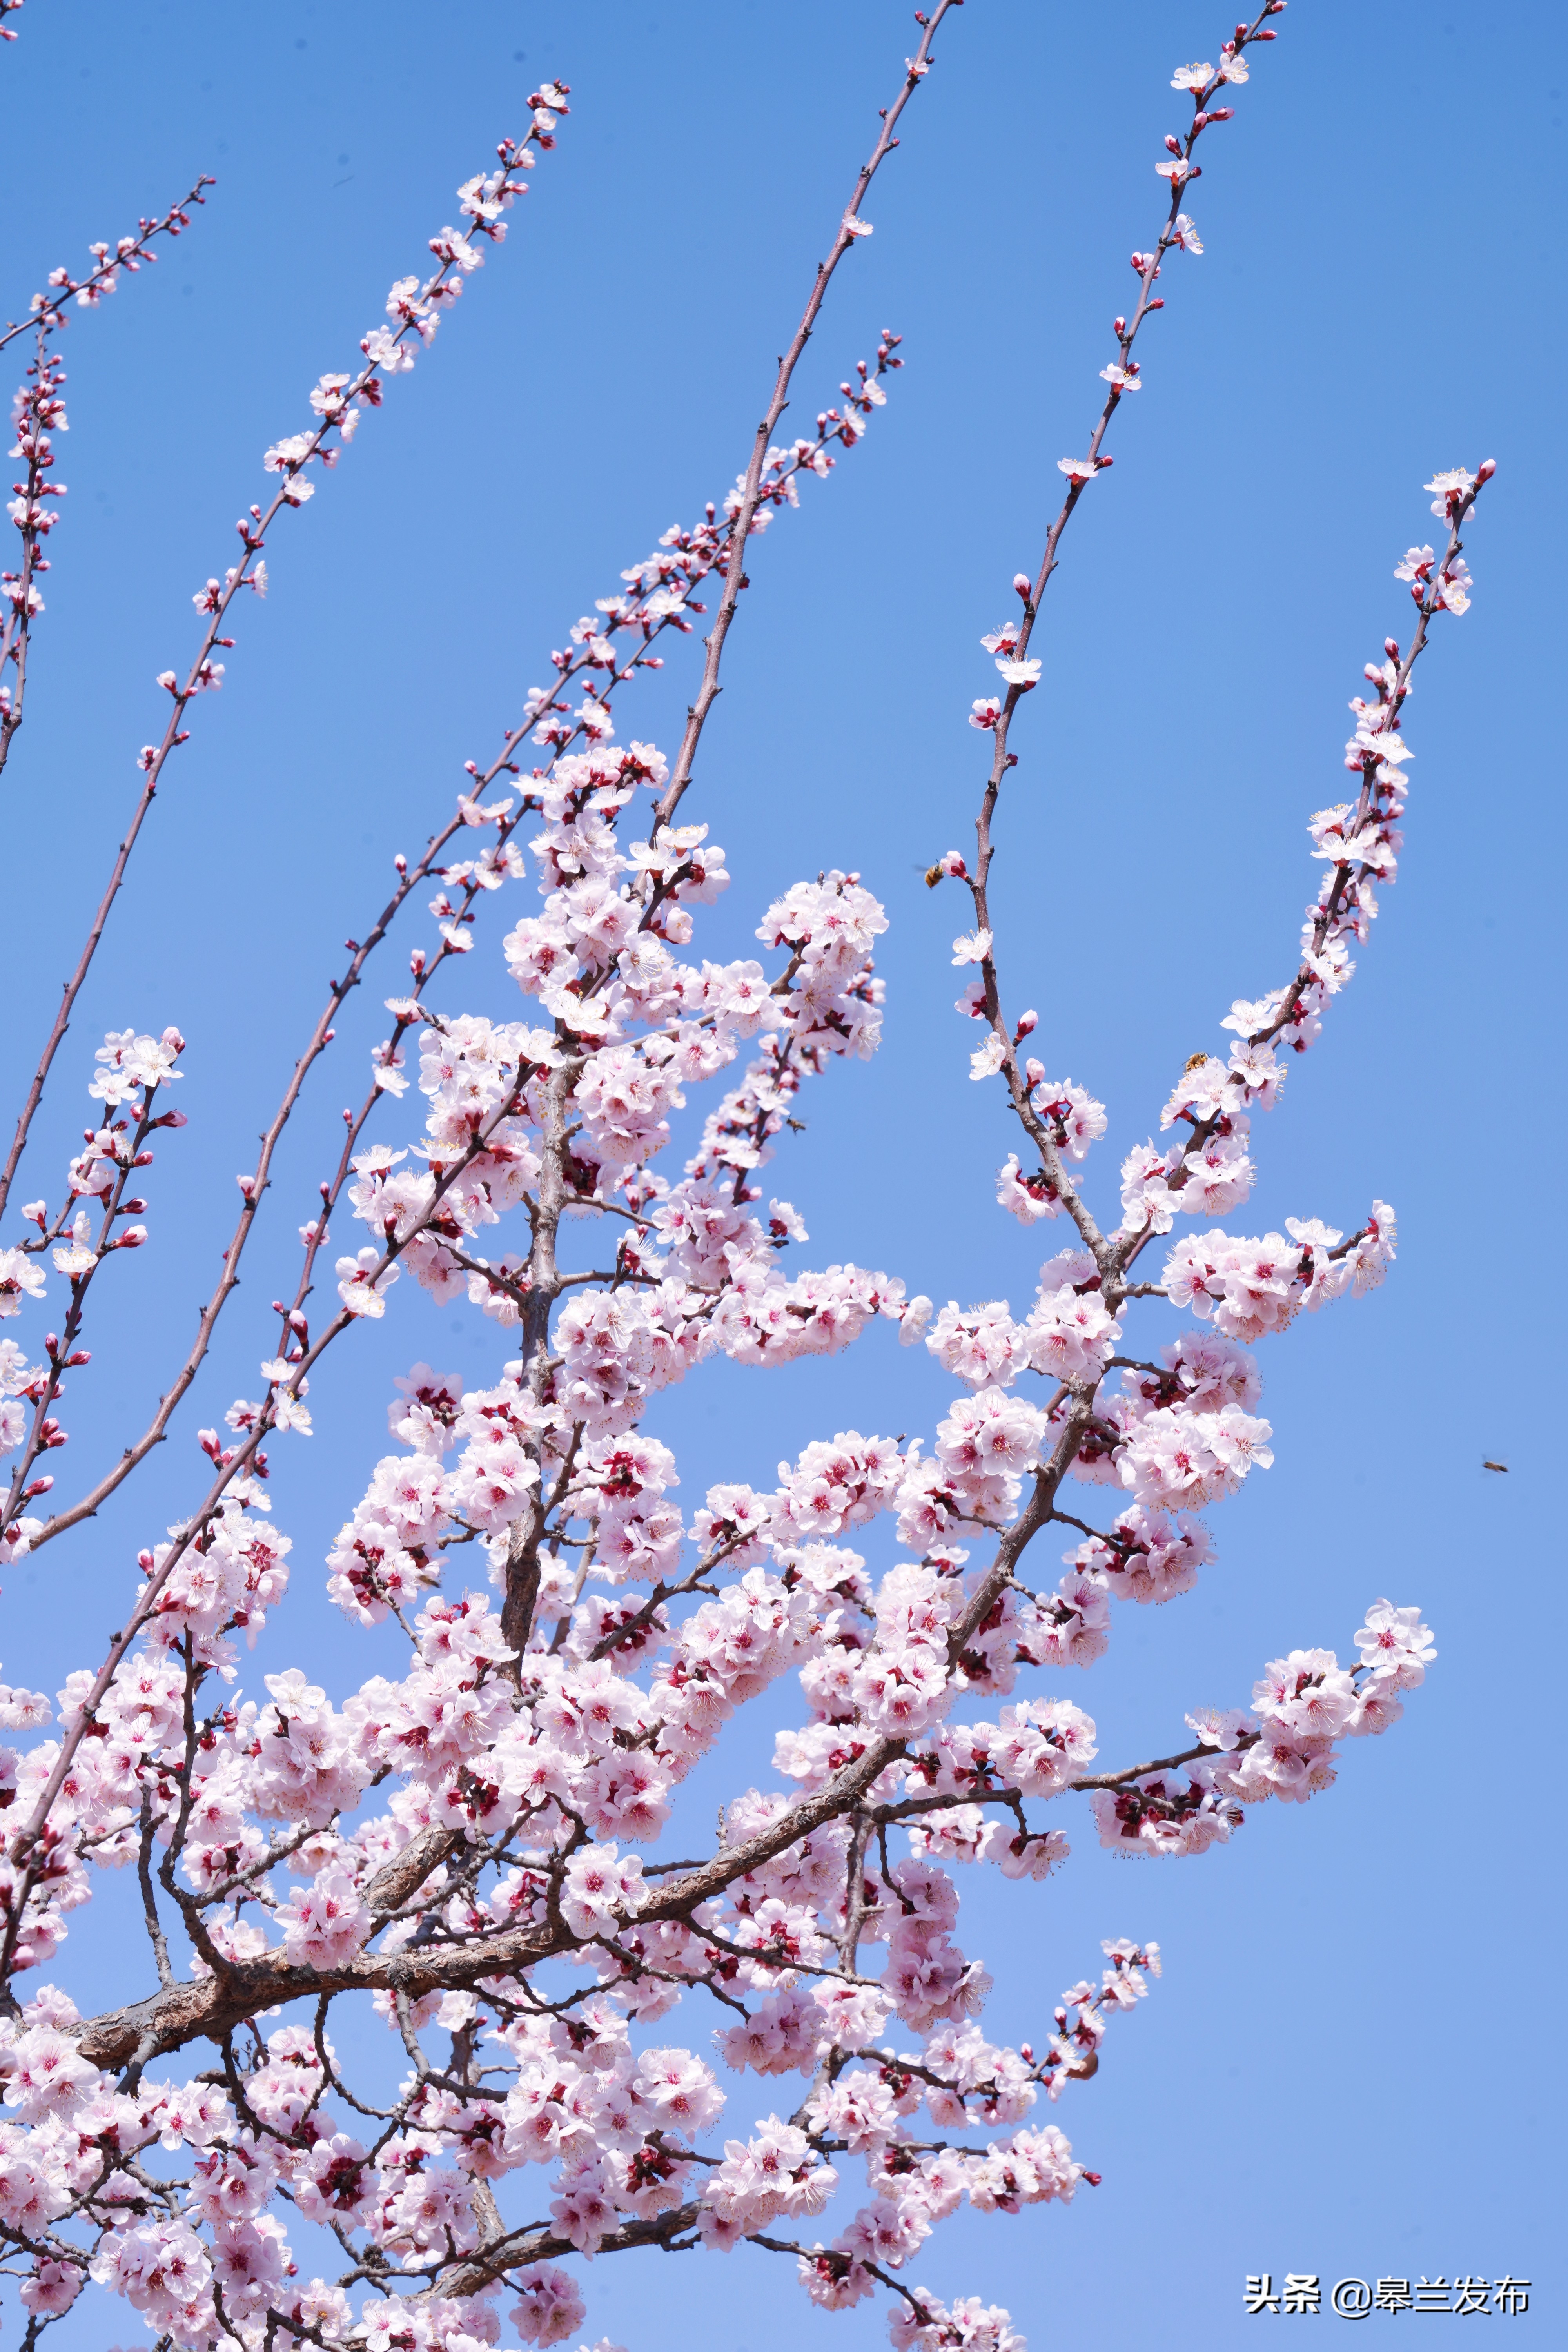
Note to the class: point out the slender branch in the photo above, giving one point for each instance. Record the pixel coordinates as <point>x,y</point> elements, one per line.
<point>1133,1243</point>
<point>149,1900</point>
<point>1137,1771</point>
<point>1123,373</point>
<point>365,383</point>
<point>51,310</point>
<point>849,230</point>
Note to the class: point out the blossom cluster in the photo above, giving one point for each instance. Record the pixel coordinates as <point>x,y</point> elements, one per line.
<point>414,308</point>
<point>1283,1746</point>
<point>540,1737</point>
<point>38,414</point>
<point>49,309</point>
<point>87,1230</point>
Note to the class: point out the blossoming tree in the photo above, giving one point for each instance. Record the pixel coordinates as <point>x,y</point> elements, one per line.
<point>472,1849</point>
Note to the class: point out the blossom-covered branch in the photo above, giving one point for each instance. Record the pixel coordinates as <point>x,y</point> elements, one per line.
<point>51,310</point>
<point>850,230</point>
<point>38,414</point>
<point>414,309</point>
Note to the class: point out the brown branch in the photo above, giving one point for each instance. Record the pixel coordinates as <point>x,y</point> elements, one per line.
<point>407,1873</point>
<point>175,734</point>
<point>50,311</point>
<point>1159,1764</point>
<point>1038,1131</point>
<point>1132,1245</point>
<point>751,496</point>
<point>538,2244</point>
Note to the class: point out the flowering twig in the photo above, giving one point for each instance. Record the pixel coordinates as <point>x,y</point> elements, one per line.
<point>1019,671</point>
<point>415,309</point>
<point>851,228</point>
<point>38,414</point>
<point>49,310</point>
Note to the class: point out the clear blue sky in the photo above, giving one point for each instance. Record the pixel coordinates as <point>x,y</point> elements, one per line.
<point>1352,2064</point>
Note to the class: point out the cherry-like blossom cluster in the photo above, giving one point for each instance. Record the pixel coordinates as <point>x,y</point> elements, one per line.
<point>89,1228</point>
<point>38,415</point>
<point>49,309</point>
<point>1283,1746</point>
<point>1250,1287</point>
